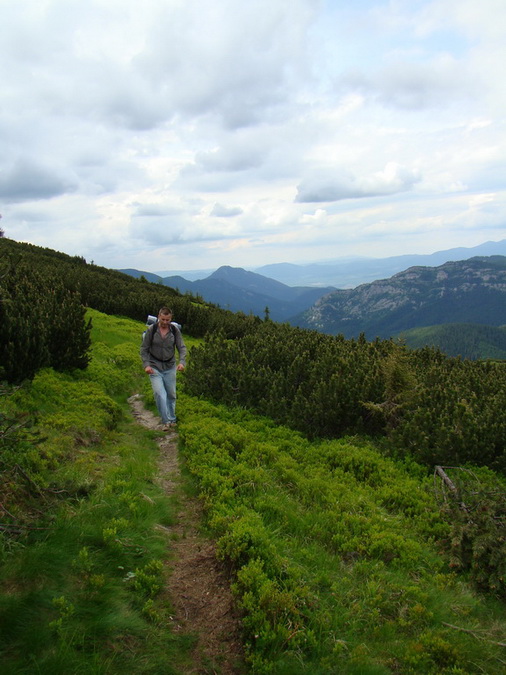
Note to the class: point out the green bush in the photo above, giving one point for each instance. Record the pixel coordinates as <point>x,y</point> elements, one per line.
<point>435,409</point>
<point>41,321</point>
<point>477,512</point>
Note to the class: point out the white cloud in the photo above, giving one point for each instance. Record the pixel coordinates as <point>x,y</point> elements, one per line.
<point>221,211</point>
<point>230,159</point>
<point>195,134</point>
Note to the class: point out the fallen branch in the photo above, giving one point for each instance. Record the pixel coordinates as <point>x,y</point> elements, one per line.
<point>6,511</point>
<point>17,468</point>
<point>446,478</point>
<point>20,527</point>
<point>474,634</point>
<point>450,484</point>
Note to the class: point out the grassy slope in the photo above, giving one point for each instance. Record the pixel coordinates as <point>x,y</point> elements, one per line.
<point>81,559</point>
<point>334,548</point>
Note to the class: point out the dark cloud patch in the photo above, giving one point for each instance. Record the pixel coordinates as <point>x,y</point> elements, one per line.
<point>29,180</point>
<point>231,159</point>
<point>336,186</point>
<point>155,210</point>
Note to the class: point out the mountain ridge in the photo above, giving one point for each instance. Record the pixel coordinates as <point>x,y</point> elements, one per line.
<point>312,307</point>
<point>468,291</point>
<point>351,272</point>
<point>348,273</point>
<point>243,291</point>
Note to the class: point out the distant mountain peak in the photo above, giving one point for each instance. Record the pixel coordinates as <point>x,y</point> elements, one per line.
<point>237,276</point>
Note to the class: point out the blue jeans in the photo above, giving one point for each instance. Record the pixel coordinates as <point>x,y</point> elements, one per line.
<point>164,389</point>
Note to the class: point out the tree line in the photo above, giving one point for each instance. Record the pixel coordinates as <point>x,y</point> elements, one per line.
<point>437,409</point>
<point>43,296</point>
<point>471,341</point>
<point>42,321</point>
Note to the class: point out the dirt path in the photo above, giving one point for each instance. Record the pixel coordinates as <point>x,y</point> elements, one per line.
<point>198,585</point>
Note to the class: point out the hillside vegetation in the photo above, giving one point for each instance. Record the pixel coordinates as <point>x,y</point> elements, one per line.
<point>340,558</point>
<point>436,409</point>
<point>470,341</point>
<point>43,294</point>
<point>314,457</point>
<point>337,553</point>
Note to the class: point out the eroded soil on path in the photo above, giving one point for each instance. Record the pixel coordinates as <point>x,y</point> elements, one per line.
<point>198,584</point>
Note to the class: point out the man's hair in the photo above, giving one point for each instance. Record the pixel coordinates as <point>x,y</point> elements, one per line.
<point>165,310</point>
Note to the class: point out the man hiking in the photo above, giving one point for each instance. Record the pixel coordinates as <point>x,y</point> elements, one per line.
<point>158,354</point>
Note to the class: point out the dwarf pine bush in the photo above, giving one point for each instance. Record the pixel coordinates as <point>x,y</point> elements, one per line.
<point>336,552</point>
<point>436,409</point>
<point>42,321</point>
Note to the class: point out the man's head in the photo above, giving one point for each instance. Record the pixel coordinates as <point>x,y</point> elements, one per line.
<point>164,316</point>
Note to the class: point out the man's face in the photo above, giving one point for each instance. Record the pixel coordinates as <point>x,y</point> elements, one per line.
<point>164,320</point>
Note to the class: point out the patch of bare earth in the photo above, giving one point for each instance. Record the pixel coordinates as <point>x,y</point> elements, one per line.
<point>198,583</point>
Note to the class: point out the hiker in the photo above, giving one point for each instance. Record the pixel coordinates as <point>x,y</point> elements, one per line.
<point>158,354</point>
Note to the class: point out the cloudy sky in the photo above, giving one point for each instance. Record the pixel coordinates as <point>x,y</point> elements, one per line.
<point>174,135</point>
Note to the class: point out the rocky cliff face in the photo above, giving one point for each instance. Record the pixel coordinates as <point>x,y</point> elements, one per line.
<point>472,291</point>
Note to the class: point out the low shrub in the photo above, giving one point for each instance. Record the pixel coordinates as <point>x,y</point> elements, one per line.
<point>335,551</point>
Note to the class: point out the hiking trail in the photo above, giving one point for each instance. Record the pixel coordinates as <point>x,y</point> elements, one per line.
<point>198,585</point>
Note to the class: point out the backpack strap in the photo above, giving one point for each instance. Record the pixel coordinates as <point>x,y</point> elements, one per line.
<point>152,330</point>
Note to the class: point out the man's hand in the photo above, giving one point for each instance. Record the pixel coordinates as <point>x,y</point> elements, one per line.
<point>180,367</point>
<point>149,370</point>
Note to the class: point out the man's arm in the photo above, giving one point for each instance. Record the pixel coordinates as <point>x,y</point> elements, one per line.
<point>181,348</point>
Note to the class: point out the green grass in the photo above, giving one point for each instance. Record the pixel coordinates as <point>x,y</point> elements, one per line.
<point>82,571</point>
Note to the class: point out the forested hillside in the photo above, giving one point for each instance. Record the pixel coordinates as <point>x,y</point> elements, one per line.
<point>470,341</point>
<point>437,409</point>
<point>43,294</point>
